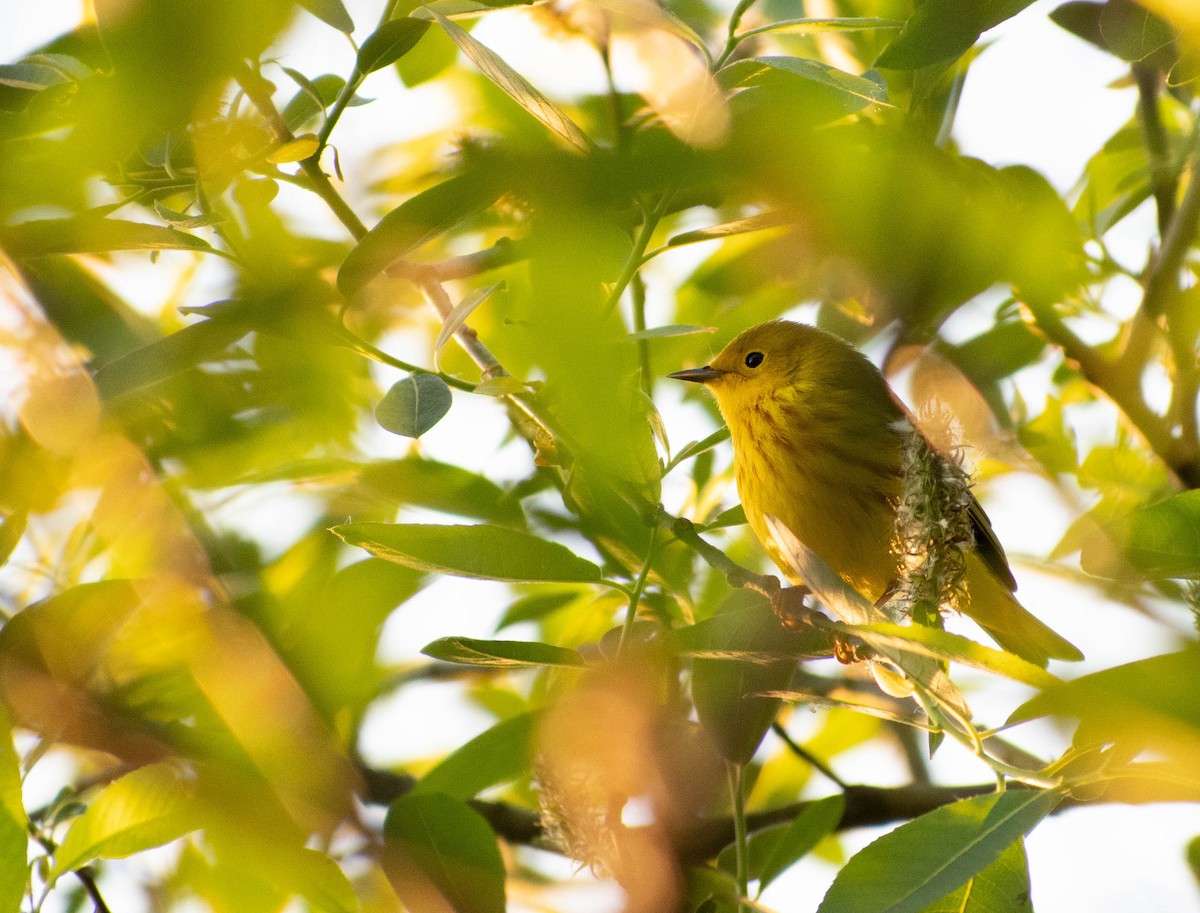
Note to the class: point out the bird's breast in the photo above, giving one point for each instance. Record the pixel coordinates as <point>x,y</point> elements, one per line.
<point>835,491</point>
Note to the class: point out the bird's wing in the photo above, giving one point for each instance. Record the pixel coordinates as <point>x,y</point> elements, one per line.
<point>989,547</point>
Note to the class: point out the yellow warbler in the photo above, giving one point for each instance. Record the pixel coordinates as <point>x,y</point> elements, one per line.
<point>819,443</point>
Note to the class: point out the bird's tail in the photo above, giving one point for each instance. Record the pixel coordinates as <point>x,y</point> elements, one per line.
<point>1009,623</point>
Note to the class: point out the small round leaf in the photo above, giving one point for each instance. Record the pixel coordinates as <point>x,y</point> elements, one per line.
<point>414,405</point>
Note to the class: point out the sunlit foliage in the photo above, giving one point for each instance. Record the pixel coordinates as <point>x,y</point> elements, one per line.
<point>216,301</point>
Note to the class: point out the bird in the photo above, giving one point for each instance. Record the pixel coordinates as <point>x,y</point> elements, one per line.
<point>818,439</point>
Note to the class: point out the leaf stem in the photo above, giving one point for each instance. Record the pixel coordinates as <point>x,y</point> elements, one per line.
<point>738,799</point>
<point>634,261</point>
<point>639,586</point>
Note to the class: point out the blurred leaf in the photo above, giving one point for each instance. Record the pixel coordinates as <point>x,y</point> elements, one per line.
<point>68,634</point>
<point>146,808</point>
<point>1150,702</point>
<point>418,219</point>
<point>331,12</point>
<point>333,651</point>
<point>314,98</point>
<point>1003,887</point>
<point>500,754</point>
<point>453,848</point>
<point>11,531</point>
<point>84,309</point>
<point>433,54</point>
<point>14,835</point>
<point>483,552</point>
<point>695,448</point>
<point>1050,440</point>
<point>295,150</point>
<point>31,76</point>
<point>820,26</point>
<point>1131,31</point>
<point>461,311</point>
<point>91,234</point>
<point>762,220</point>
<point>925,859</point>
<point>1116,180</point>
<point>391,41</point>
<point>856,91</point>
<point>183,349</point>
<point>996,353</point>
<point>535,607</point>
<point>1192,854</point>
<point>515,85</point>
<point>182,219</point>
<point>1162,540</point>
<point>440,486</point>
<point>772,852</point>
<point>941,30</point>
<point>726,690</point>
<point>943,645</point>
<point>1082,19</point>
<point>414,405</point>
<point>500,653</point>
<point>734,516</point>
<point>670,331</point>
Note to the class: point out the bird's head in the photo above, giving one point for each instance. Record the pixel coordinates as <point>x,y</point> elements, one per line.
<point>764,361</point>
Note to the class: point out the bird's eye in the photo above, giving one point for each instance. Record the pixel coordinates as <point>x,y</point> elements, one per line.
<point>754,359</point>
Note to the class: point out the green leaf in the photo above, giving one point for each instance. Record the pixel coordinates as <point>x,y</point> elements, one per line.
<point>1193,857</point>
<point>1003,887</point>
<point>149,807</point>
<point>452,849</point>
<point>314,98</point>
<point>331,12</point>
<point>92,235</point>
<point>941,30</point>
<point>734,516</point>
<point>482,552</point>
<point>440,486</point>
<point>30,76</point>
<point>943,645</point>
<point>14,837</point>
<point>820,26</point>
<point>459,314</point>
<point>169,356</point>
<point>1150,701</point>
<point>769,859</point>
<point>1082,19</point>
<point>741,652</point>
<point>695,448</point>
<point>856,91</point>
<point>1162,540</point>
<point>924,860</point>
<point>1132,32</point>
<point>11,531</point>
<point>499,654</point>
<point>414,222</point>
<point>389,43</point>
<point>756,222</point>
<point>515,85</point>
<point>296,150</point>
<point>537,606</point>
<point>414,405</point>
<point>497,756</point>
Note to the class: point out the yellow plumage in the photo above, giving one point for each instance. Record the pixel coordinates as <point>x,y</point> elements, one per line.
<point>818,439</point>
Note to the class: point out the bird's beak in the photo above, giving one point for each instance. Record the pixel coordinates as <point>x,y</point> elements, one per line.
<point>698,375</point>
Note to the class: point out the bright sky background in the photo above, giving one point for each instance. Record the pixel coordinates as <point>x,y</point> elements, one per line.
<point>1037,96</point>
